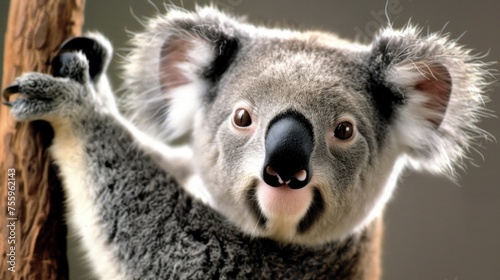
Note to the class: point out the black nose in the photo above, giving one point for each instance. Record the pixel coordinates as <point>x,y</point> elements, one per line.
<point>289,144</point>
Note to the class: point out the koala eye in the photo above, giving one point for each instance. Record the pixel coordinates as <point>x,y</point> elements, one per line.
<point>344,131</point>
<point>242,118</point>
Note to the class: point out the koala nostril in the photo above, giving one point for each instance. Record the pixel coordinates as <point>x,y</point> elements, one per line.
<point>301,175</point>
<point>289,144</point>
<point>296,181</point>
<point>271,171</point>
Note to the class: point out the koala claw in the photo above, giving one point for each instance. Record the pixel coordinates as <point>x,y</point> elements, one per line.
<point>13,88</point>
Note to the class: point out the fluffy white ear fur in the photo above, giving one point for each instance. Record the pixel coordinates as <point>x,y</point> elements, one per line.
<point>169,58</point>
<point>181,61</point>
<point>175,92</point>
<point>443,86</point>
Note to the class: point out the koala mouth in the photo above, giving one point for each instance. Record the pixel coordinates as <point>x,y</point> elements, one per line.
<point>300,208</point>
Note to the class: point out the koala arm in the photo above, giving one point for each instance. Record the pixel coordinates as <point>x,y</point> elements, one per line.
<point>133,219</point>
<point>107,176</point>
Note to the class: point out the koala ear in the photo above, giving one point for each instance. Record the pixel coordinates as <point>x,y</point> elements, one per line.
<point>438,90</point>
<point>176,65</point>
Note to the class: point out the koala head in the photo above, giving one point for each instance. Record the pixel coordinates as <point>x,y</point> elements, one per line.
<point>300,136</point>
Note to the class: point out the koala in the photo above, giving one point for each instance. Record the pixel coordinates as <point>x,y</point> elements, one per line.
<point>248,152</point>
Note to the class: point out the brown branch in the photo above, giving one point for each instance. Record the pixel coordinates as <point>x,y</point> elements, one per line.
<point>35,30</point>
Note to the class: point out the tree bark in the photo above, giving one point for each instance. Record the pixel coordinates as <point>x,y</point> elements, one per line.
<point>32,230</point>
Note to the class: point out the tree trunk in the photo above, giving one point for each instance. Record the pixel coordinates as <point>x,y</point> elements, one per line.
<point>32,232</point>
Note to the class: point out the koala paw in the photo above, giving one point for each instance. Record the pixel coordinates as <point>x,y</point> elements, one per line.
<point>42,96</point>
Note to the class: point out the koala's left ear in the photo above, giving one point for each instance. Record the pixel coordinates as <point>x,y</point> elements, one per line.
<point>436,95</point>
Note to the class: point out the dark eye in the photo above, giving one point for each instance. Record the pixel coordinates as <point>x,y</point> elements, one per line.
<point>344,131</point>
<point>242,118</point>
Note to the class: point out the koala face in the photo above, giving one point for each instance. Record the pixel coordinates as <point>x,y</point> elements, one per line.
<point>300,136</point>
<point>292,137</point>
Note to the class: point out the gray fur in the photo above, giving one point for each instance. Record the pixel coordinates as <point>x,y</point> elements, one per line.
<point>154,227</point>
<point>325,79</point>
<point>394,92</point>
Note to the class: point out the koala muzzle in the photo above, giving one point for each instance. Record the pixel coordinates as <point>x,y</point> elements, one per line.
<point>289,144</point>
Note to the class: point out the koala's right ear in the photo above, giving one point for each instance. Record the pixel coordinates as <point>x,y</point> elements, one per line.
<point>175,66</point>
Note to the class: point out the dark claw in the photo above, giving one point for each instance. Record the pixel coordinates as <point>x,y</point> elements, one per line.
<point>13,88</point>
<point>8,104</point>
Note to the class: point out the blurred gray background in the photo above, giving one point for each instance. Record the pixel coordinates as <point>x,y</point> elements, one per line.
<point>435,229</point>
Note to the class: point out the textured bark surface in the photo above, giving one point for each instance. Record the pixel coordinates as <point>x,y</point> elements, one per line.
<point>34,32</point>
